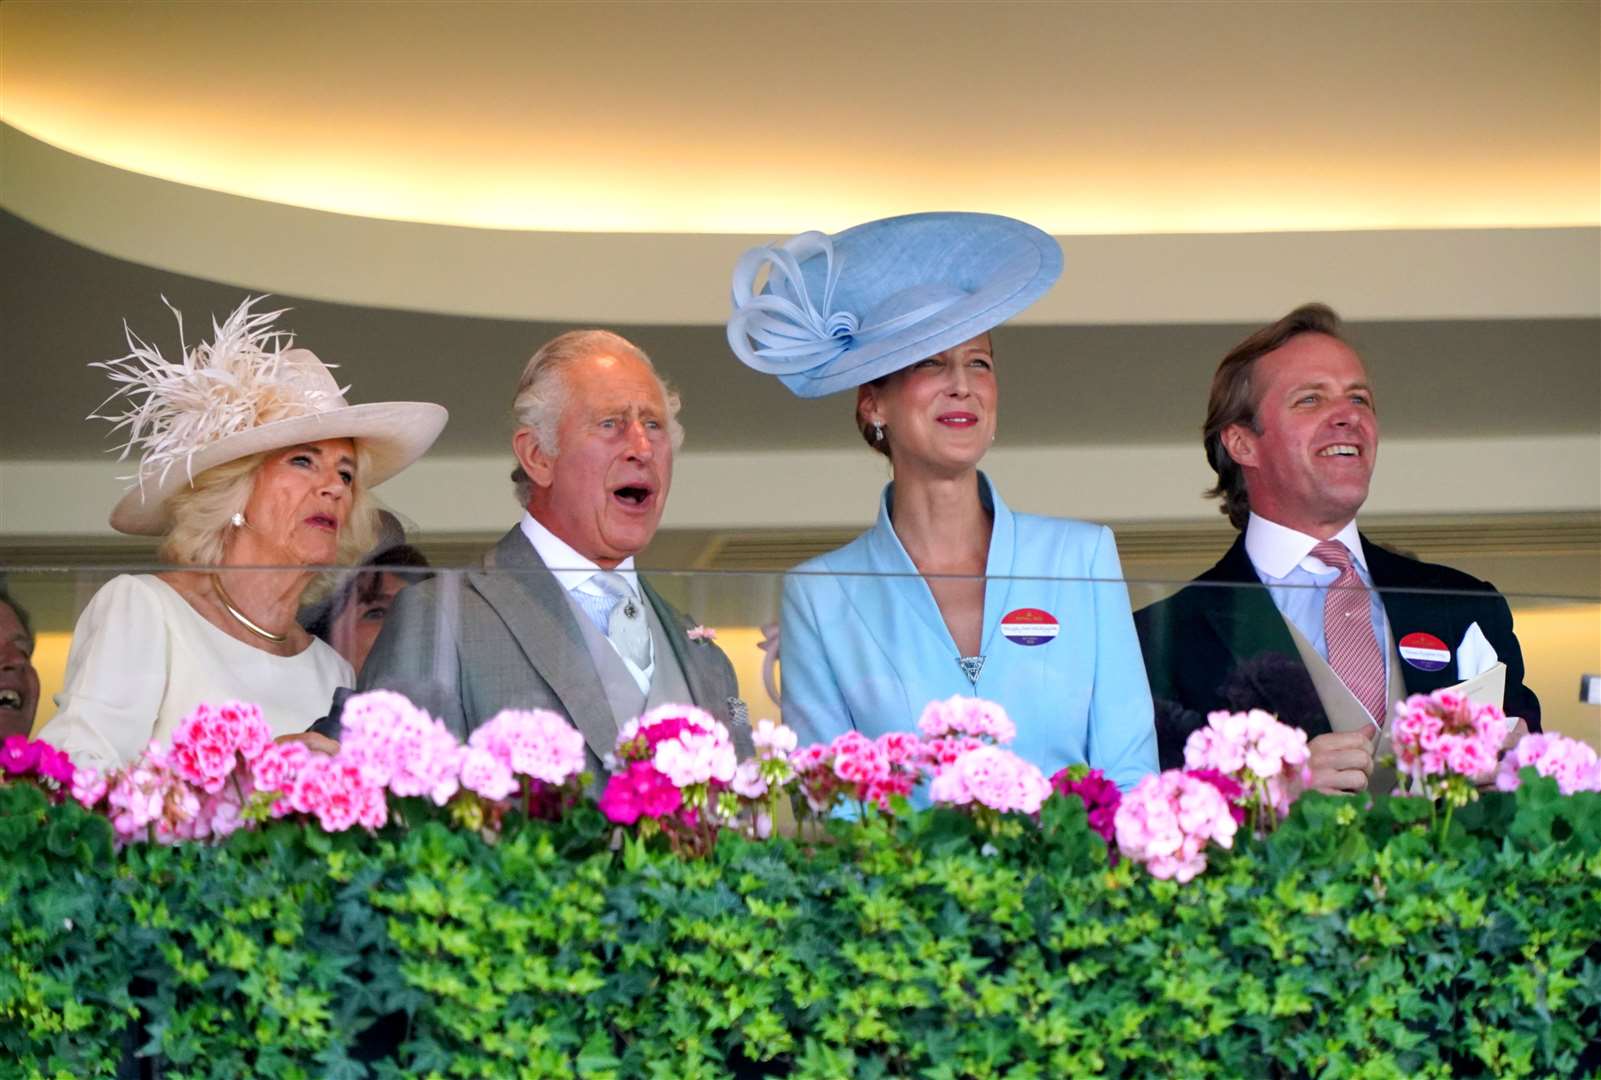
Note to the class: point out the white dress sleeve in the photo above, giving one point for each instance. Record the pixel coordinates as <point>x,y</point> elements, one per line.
<point>116,677</point>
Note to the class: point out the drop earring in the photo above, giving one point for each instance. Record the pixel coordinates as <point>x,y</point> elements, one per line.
<point>878,431</point>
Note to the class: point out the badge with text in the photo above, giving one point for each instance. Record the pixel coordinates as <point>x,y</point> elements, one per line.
<point>1029,626</point>
<point>1424,652</point>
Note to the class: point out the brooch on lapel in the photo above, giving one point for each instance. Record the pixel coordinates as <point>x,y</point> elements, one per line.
<point>702,633</point>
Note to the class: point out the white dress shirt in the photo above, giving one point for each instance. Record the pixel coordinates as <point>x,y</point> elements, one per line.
<point>575,573</point>
<point>1298,581</point>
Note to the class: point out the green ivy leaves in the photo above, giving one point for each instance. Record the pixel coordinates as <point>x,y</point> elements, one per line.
<point>1354,942</point>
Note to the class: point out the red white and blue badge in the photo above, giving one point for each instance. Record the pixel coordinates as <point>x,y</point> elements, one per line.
<point>1029,626</point>
<point>1424,652</point>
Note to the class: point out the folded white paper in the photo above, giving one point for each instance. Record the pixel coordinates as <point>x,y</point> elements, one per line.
<point>1485,688</point>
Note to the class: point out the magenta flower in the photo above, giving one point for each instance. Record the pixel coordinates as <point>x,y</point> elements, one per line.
<point>53,765</point>
<point>1098,794</point>
<point>19,755</point>
<point>639,791</point>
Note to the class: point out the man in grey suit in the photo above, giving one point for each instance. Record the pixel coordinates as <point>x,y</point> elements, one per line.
<point>557,618</point>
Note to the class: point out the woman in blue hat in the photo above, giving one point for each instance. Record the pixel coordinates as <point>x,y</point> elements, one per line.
<point>950,592</point>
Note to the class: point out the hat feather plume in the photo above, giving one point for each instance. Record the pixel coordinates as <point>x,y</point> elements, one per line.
<point>173,408</point>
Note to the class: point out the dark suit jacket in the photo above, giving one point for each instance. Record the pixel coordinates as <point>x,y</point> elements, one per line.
<point>1216,645</point>
<point>505,637</point>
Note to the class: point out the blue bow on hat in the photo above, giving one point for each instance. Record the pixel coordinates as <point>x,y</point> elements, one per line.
<point>840,311</point>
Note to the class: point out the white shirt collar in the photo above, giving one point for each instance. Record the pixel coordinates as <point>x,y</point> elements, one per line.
<point>1276,549</point>
<point>571,569</point>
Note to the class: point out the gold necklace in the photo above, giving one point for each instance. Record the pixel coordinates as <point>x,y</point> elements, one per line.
<point>241,617</point>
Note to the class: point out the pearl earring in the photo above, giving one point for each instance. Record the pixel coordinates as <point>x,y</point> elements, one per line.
<point>238,519</point>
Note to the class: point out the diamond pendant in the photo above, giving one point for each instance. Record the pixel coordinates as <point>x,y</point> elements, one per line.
<point>971,666</point>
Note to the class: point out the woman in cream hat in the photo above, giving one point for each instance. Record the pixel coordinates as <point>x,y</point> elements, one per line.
<point>951,592</point>
<point>255,472</point>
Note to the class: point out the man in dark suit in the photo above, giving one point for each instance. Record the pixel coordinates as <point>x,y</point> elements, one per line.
<point>557,618</point>
<point>1303,616</point>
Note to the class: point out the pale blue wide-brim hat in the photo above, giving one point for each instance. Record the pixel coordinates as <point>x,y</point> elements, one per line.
<point>839,311</point>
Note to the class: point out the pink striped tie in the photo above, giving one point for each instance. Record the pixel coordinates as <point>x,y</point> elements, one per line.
<point>1354,652</point>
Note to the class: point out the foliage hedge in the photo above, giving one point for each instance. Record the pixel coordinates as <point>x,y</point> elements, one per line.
<point>1350,943</point>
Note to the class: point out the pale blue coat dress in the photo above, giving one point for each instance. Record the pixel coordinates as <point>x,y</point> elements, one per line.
<point>867,651</point>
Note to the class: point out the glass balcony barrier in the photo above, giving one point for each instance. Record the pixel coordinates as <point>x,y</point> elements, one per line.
<point>824,653</point>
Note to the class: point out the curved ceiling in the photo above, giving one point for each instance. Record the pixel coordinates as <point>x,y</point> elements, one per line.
<point>771,118</point>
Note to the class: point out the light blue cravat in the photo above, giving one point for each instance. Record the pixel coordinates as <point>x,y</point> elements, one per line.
<point>618,615</point>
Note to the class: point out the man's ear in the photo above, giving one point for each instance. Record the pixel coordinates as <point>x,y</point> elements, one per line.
<point>540,466</point>
<point>1240,442</point>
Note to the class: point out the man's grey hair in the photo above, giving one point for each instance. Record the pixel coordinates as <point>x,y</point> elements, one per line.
<point>542,391</point>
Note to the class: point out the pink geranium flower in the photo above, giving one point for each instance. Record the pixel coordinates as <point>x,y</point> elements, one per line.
<point>772,739</point>
<point>1168,821</point>
<point>748,782</point>
<point>338,794</point>
<point>991,777</point>
<point>1228,787</point>
<point>1264,759</point>
<point>486,775</point>
<point>208,743</point>
<point>89,786</point>
<point>536,743</point>
<point>399,747</point>
<point>687,748</point>
<point>1445,743</point>
<point>972,717</point>
<point>1573,764</point>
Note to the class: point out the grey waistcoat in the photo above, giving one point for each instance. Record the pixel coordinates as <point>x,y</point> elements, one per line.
<point>667,684</point>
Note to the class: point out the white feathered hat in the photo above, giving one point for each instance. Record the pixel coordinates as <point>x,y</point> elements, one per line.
<point>244,392</point>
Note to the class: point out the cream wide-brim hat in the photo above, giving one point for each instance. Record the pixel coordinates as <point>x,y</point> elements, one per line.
<point>392,434</point>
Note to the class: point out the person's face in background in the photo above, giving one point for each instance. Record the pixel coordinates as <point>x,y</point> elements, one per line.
<point>355,628</point>
<point>19,681</point>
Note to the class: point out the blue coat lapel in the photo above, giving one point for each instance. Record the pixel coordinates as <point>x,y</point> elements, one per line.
<point>895,587</point>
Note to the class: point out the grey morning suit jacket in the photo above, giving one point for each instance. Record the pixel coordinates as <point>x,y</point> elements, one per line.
<point>506,637</point>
